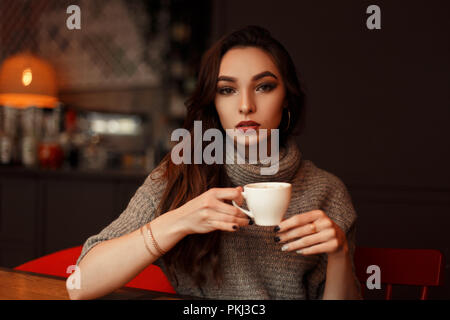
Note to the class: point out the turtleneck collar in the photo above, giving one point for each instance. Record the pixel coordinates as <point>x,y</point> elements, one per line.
<point>288,164</point>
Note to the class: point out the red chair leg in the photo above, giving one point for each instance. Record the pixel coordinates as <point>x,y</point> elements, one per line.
<point>388,291</point>
<point>424,293</point>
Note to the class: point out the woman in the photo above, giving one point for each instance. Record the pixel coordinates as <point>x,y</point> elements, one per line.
<point>182,220</point>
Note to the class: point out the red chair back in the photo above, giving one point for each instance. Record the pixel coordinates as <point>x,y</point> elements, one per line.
<point>416,267</point>
<point>55,264</point>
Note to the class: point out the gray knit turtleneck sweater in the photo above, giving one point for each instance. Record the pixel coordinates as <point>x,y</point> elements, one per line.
<point>253,264</point>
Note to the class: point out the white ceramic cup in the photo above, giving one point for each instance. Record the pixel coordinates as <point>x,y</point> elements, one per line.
<point>267,201</point>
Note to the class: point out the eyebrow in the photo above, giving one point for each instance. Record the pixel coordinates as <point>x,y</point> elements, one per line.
<point>254,78</point>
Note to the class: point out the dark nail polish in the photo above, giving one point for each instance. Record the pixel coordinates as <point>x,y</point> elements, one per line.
<point>235,227</point>
<point>276,229</point>
<point>250,222</point>
<point>277,239</point>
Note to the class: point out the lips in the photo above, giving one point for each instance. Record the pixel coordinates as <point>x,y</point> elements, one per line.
<point>246,125</point>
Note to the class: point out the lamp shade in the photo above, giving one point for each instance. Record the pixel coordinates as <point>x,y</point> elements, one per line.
<point>26,80</point>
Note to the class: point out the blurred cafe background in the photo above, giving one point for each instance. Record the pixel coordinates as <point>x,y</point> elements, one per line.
<point>86,114</point>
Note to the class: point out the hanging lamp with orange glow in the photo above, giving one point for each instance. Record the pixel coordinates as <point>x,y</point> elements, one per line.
<point>26,80</point>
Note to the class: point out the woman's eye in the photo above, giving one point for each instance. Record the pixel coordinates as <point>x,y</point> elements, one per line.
<point>266,87</point>
<point>225,91</point>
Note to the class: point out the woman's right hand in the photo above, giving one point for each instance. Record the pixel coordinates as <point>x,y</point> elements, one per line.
<point>209,212</point>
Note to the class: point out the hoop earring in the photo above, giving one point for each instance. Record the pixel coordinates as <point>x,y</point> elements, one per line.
<point>289,120</point>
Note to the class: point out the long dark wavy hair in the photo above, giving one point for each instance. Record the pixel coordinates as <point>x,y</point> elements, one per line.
<point>197,255</point>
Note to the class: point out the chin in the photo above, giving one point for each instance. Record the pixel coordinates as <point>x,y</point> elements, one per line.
<point>249,139</point>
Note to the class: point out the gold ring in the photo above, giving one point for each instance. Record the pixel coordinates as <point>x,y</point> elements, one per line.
<point>314,228</point>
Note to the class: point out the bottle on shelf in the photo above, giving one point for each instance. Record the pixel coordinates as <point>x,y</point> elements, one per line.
<point>30,138</point>
<point>69,139</point>
<point>50,153</point>
<point>8,128</point>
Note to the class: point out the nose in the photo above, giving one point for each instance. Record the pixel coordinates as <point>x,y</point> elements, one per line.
<point>247,104</point>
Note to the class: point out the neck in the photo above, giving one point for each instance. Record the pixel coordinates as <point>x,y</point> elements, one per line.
<point>280,168</point>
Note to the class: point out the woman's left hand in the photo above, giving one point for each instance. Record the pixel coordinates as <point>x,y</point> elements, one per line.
<point>311,233</point>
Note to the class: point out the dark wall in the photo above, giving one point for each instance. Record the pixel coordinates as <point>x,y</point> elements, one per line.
<point>44,211</point>
<point>378,108</point>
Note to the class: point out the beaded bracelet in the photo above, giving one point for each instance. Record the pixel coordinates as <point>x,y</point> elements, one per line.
<point>155,244</point>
